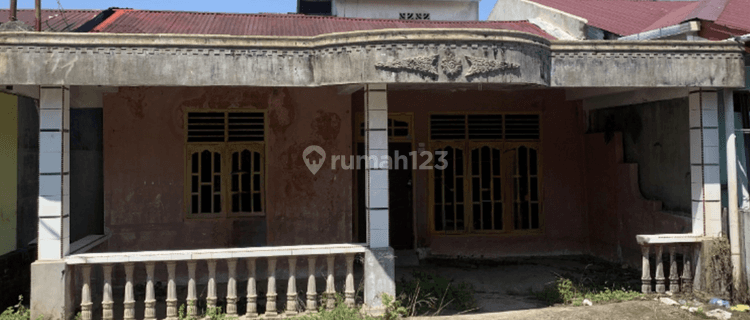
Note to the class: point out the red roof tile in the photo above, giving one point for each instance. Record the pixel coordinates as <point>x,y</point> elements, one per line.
<point>141,21</point>
<point>621,17</point>
<point>53,20</point>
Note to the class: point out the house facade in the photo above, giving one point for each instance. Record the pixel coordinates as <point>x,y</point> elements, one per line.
<point>240,168</point>
<point>439,10</point>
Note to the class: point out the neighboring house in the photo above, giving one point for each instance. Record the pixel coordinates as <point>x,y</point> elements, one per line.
<point>441,10</point>
<point>631,19</point>
<point>194,130</point>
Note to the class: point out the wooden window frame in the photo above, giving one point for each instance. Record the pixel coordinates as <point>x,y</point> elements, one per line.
<point>225,148</point>
<point>407,117</point>
<point>504,145</point>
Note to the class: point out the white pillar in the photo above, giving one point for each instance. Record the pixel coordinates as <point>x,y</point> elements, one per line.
<point>376,149</point>
<point>54,173</point>
<point>732,189</point>
<point>379,258</point>
<point>704,162</point>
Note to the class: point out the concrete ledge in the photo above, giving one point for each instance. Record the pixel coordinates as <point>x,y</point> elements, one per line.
<point>647,64</point>
<point>392,56</point>
<point>644,239</point>
<point>208,254</point>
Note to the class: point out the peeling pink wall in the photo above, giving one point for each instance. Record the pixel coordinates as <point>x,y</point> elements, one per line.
<point>144,168</point>
<point>617,210</point>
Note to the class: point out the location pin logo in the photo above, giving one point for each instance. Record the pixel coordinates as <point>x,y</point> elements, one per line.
<point>314,157</point>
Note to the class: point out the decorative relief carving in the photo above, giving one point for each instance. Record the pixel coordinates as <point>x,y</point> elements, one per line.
<point>423,64</point>
<point>449,64</point>
<point>452,67</point>
<point>479,66</point>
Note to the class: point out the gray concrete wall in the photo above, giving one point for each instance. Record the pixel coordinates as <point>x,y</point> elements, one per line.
<point>423,56</point>
<point>656,137</point>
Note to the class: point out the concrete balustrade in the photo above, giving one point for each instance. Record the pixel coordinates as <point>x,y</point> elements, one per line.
<point>688,246</point>
<point>229,257</point>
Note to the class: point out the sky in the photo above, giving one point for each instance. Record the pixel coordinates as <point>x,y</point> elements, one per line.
<point>243,6</point>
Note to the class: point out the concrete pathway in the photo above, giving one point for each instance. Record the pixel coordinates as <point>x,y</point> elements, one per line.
<point>632,310</point>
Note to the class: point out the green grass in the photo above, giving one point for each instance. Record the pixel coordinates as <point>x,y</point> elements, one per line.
<point>565,291</point>
<point>17,312</point>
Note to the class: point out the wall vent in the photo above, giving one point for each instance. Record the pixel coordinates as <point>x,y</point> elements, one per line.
<point>226,127</point>
<point>522,126</point>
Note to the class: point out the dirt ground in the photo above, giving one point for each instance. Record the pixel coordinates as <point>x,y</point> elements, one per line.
<point>505,289</point>
<point>631,310</point>
<point>509,284</point>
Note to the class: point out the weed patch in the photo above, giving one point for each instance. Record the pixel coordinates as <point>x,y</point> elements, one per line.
<point>565,291</point>
<point>430,294</point>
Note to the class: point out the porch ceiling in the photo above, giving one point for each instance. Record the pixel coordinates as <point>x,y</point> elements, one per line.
<point>460,57</point>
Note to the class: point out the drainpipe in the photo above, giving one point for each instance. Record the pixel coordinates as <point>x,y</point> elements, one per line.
<point>733,202</point>
<point>38,9</point>
<point>13,10</point>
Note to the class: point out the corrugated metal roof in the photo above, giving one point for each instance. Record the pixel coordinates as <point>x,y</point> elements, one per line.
<point>142,21</point>
<point>625,17</point>
<point>736,15</point>
<point>53,20</point>
<point>617,16</point>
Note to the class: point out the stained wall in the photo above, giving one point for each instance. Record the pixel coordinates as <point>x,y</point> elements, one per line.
<point>562,149</point>
<point>144,169</point>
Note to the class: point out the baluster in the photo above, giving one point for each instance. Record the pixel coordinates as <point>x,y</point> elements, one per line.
<point>232,288</point>
<point>687,272</point>
<point>312,294</point>
<point>349,291</point>
<point>211,297</point>
<point>192,299</point>
<point>129,303</point>
<point>252,296</point>
<point>271,295</point>
<point>330,285</point>
<point>107,294</point>
<point>150,303</point>
<point>86,304</point>
<point>660,280</point>
<point>645,270</point>
<point>291,292</point>
<point>674,277</point>
<point>171,291</point>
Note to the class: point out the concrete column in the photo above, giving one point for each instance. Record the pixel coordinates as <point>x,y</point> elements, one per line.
<point>732,190</point>
<point>376,149</point>
<point>379,259</point>
<point>704,162</point>
<point>51,294</point>
<point>54,173</point>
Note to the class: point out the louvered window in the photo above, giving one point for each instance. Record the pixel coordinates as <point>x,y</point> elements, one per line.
<point>226,163</point>
<point>508,127</point>
<point>492,183</point>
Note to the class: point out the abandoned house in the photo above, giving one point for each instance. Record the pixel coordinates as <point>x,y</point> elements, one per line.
<point>174,147</point>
